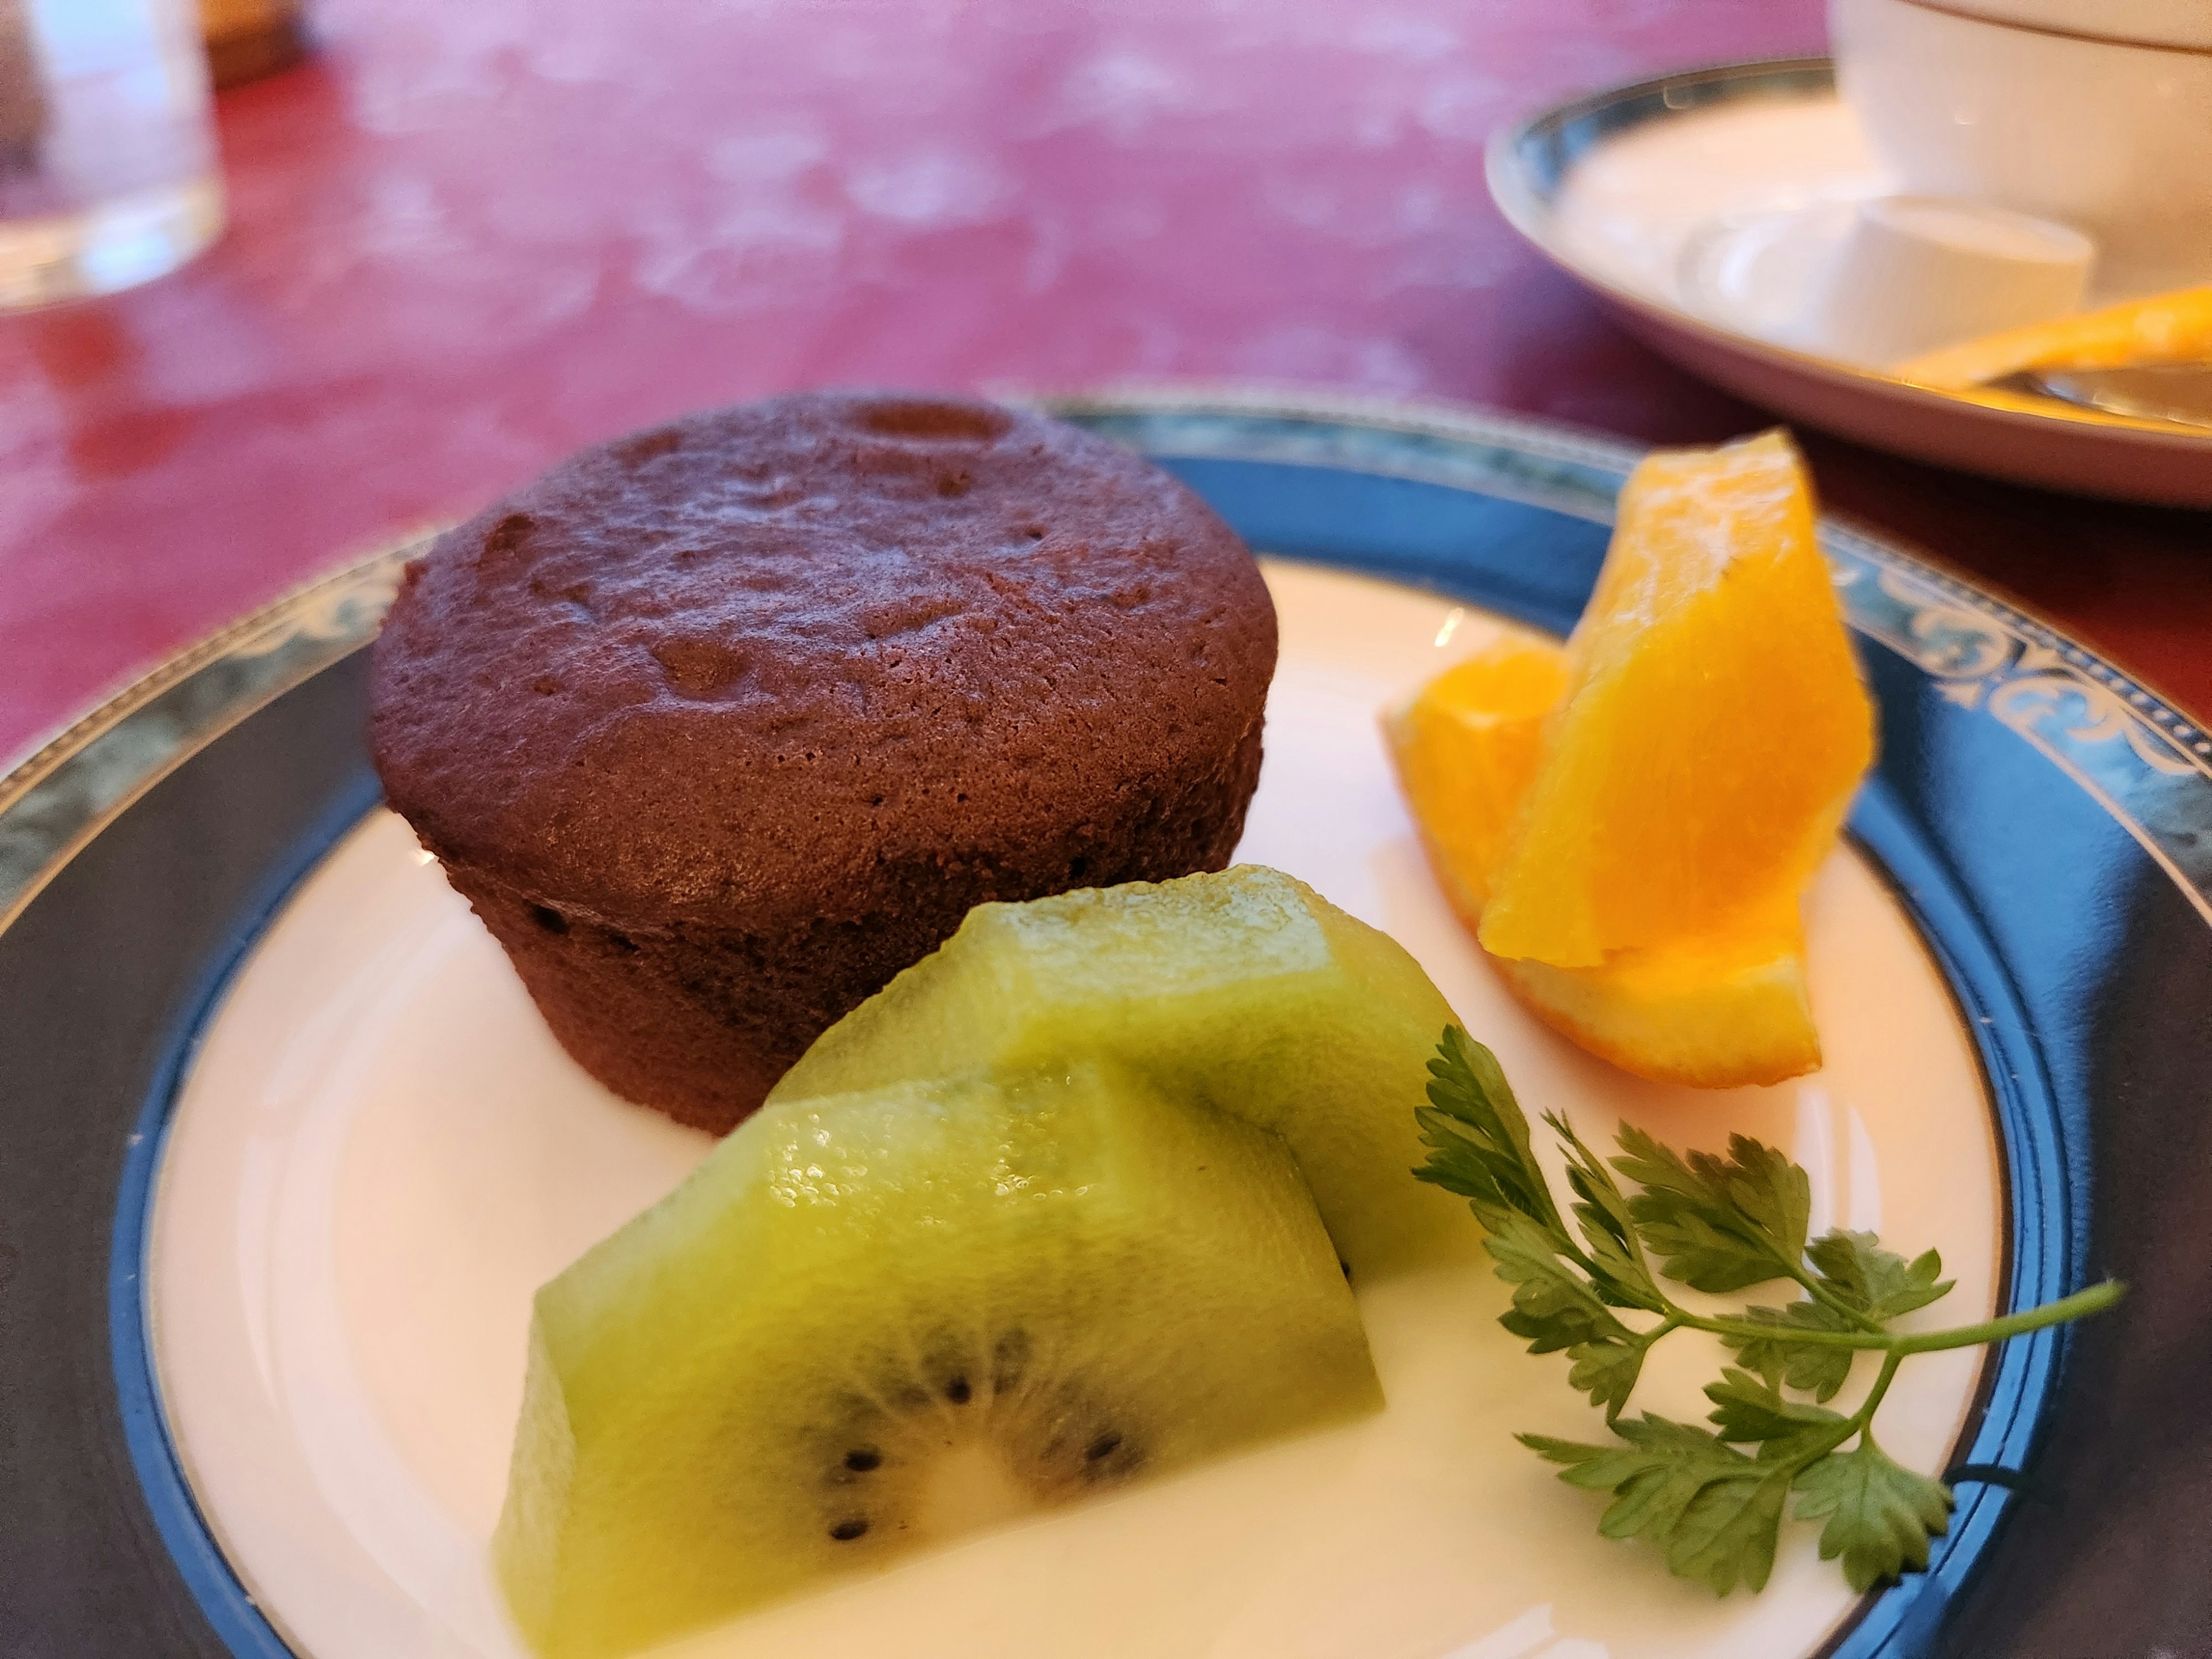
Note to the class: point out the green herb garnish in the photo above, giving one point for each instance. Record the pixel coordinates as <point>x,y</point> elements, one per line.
<point>1712,1499</point>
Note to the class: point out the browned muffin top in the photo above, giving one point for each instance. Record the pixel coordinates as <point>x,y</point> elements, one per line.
<point>784,659</point>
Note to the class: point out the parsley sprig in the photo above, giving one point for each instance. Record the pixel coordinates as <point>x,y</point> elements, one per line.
<point>1712,1499</point>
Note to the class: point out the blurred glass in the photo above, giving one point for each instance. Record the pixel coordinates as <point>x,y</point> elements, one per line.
<point>107,157</point>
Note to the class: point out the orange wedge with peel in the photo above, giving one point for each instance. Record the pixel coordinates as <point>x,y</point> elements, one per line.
<point>1714,727</point>
<point>1712,1013</point>
<point>1676,753</point>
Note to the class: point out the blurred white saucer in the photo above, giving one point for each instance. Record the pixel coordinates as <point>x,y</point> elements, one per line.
<point>1882,279</point>
<point>1707,207</point>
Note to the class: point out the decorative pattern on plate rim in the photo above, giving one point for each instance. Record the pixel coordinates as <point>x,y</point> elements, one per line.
<point>2147,764</point>
<point>70,788</point>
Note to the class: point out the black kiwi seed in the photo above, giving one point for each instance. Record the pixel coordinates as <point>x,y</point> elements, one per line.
<point>1060,1437</point>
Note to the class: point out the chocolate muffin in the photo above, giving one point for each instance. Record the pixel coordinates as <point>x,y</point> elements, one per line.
<point>720,726</point>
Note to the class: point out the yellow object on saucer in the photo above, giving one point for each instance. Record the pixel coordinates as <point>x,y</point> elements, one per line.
<point>2167,328</point>
<point>1633,857</point>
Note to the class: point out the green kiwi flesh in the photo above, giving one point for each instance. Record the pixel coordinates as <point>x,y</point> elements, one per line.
<point>1245,989</point>
<point>875,1319</point>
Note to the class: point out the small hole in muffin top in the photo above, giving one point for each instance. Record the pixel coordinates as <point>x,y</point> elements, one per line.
<point>699,668</point>
<point>917,417</point>
<point>549,918</point>
<point>507,537</point>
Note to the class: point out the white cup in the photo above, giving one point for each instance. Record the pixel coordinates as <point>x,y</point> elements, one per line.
<point>2097,113</point>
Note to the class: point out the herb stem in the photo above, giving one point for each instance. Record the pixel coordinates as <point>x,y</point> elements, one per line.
<point>1863,1419</point>
<point>2095,1299</point>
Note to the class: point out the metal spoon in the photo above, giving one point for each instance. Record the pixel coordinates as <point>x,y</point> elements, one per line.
<point>2179,392</point>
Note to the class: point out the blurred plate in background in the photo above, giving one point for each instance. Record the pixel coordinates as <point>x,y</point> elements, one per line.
<point>1695,206</point>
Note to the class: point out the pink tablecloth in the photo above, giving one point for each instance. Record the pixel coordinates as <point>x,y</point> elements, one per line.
<point>475,234</point>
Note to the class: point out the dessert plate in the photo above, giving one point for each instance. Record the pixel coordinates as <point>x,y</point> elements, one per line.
<point>283,1149</point>
<point>1700,207</point>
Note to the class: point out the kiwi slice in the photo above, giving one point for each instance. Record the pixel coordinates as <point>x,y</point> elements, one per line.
<point>872,1320</point>
<point>1246,989</point>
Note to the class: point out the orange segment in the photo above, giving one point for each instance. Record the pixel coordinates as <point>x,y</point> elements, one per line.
<point>1653,798</point>
<point>1714,726</point>
<point>1466,747</point>
<point>1712,1013</point>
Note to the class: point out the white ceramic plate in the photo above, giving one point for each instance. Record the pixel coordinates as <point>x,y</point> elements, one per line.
<point>283,1149</point>
<point>379,1152</point>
